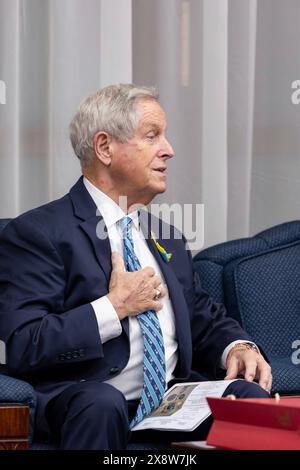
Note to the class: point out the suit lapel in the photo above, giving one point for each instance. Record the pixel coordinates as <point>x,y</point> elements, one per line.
<point>99,241</point>
<point>92,224</point>
<point>174,287</point>
<point>94,227</point>
<point>150,228</point>
<point>180,308</point>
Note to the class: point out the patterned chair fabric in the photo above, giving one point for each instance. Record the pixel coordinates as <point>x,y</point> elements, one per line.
<point>14,390</point>
<point>258,280</point>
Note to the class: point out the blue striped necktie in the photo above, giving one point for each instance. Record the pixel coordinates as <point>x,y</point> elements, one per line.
<point>154,367</point>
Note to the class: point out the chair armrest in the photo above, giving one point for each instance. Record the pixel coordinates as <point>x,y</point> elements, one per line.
<point>17,391</point>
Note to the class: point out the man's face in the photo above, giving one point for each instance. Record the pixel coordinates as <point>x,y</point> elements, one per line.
<point>138,167</point>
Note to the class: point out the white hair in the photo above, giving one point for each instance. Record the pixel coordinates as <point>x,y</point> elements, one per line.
<point>110,110</point>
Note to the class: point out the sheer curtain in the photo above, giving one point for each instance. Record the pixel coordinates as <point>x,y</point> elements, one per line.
<point>188,59</point>
<point>52,54</point>
<point>224,70</point>
<point>275,188</point>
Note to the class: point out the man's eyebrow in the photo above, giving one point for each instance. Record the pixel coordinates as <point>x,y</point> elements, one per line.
<point>151,125</point>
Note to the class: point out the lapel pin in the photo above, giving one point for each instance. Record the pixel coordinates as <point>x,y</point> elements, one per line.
<point>165,256</point>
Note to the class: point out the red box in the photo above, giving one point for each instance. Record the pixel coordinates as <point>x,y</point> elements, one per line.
<point>255,423</point>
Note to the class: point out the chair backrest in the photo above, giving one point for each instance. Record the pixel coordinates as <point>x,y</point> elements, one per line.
<point>3,223</point>
<point>258,280</point>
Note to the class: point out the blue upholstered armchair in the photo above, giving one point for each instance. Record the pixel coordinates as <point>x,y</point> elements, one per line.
<point>258,280</point>
<point>14,390</point>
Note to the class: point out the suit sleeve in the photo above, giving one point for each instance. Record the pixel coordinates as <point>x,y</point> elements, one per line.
<point>34,325</point>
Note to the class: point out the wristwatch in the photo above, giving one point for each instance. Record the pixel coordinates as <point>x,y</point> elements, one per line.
<point>247,346</point>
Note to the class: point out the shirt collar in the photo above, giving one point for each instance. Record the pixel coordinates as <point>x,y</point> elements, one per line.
<point>108,208</point>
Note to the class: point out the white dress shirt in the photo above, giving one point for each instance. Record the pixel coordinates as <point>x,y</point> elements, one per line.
<point>130,380</point>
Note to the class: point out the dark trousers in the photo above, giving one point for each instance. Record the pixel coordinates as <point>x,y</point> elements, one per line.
<point>96,416</point>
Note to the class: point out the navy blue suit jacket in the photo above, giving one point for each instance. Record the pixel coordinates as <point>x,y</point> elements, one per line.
<point>53,265</point>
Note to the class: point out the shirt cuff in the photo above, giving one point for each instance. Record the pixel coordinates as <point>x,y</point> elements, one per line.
<point>228,348</point>
<point>108,321</point>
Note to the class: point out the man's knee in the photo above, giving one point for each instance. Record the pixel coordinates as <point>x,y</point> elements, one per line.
<point>244,389</point>
<point>100,399</point>
<point>90,415</point>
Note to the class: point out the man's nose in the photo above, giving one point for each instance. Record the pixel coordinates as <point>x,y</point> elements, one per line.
<point>167,149</point>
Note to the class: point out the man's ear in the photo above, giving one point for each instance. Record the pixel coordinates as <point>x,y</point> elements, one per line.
<point>102,147</point>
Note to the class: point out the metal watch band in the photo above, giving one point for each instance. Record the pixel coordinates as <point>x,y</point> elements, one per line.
<point>248,346</point>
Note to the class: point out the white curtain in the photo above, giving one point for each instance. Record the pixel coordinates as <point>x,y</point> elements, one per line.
<point>53,53</point>
<point>275,189</point>
<point>224,70</point>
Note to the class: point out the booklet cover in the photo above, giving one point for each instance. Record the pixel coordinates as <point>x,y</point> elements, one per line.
<point>184,406</point>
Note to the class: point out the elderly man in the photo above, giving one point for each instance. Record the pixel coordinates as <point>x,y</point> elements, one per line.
<point>91,313</point>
